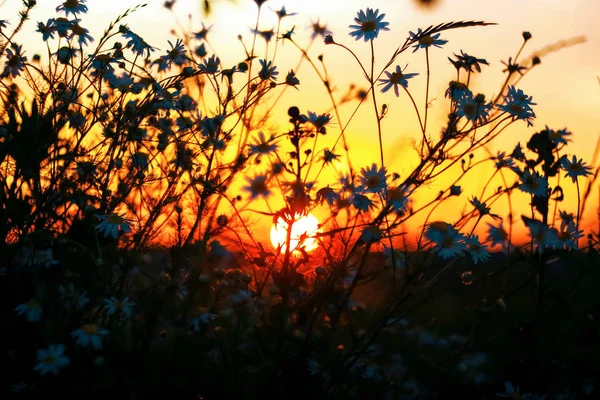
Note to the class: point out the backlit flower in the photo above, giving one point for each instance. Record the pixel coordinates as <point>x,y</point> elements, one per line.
<point>90,335</point>
<point>110,225</point>
<point>533,183</point>
<point>426,41</point>
<point>395,79</point>
<point>257,186</point>
<point>15,61</point>
<point>373,179</point>
<point>476,250</point>
<point>518,104</point>
<point>369,25</point>
<point>32,310</point>
<point>267,71</point>
<point>51,360</point>
<point>319,30</point>
<point>73,7</point>
<point>116,306</point>
<point>575,168</point>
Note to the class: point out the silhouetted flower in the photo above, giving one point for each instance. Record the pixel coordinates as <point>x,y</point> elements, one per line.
<point>369,25</point>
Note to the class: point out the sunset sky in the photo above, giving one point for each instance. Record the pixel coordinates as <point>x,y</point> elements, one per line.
<point>565,86</point>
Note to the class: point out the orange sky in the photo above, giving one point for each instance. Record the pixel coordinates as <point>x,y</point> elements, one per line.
<point>564,85</point>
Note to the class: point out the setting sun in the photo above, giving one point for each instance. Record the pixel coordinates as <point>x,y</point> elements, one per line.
<point>307,226</point>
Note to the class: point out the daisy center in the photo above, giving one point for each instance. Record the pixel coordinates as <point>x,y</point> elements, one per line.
<point>50,359</point>
<point>71,3</point>
<point>90,329</point>
<point>516,108</point>
<point>469,109</point>
<point>368,26</point>
<point>259,187</point>
<point>427,40</point>
<point>373,182</point>
<point>114,219</point>
<point>396,77</point>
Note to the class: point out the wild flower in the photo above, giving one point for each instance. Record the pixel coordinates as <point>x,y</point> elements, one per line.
<point>456,90</point>
<point>111,224</point>
<point>210,65</point>
<point>15,61</point>
<point>518,104</point>
<point>268,71</point>
<point>395,79</point>
<point>398,198</point>
<point>575,168</point>
<point>176,55</point>
<point>32,310</point>
<point>263,146</point>
<point>69,297</point>
<point>282,13</point>
<point>541,234</point>
<point>201,316</point>
<point>448,242</point>
<point>373,179</point>
<point>319,29</point>
<point>116,306</point>
<point>51,360</point>
<point>137,44</point>
<point>533,183</point>
<point>467,62</point>
<point>426,41</point>
<point>361,202</point>
<point>257,186</point>
<point>291,79</point>
<point>73,7</point>
<point>90,335</point>
<point>319,121</point>
<point>266,34</point>
<point>329,156</point>
<point>497,235</point>
<point>568,235</point>
<point>202,33</point>
<point>47,30</point>
<point>481,208</point>
<point>560,136</point>
<point>371,234</point>
<point>473,108</point>
<point>369,24</point>
<point>476,250</point>
<point>502,161</point>
<point>81,33</point>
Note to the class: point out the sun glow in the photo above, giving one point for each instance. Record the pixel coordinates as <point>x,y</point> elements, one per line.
<point>303,231</point>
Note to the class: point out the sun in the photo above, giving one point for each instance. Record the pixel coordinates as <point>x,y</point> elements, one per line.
<point>307,225</point>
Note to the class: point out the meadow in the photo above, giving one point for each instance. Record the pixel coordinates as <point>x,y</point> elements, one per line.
<point>133,180</point>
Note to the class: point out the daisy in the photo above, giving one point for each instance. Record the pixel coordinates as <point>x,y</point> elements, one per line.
<point>202,33</point>
<point>565,219</point>
<point>497,235</point>
<point>533,183</point>
<point>318,121</point>
<point>137,44</point>
<point>369,24</point>
<point>282,13</point>
<point>394,257</point>
<point>257,186</point>
<point>82,33</point>
<point>473,108</point>
<point>69,297</point>
<point>361,202</point>
<point>110,225</point>
<point>371,234</point>
<point>47,30</point>
<point>575,168</point>
<point>448,242</point>
<point>73,6</point>
<point>329,156</point>
<point>373,180</point>
<point>518,104</point>
<point>394,79</point>
<point>15,61</point>
<point>424,42</point>
<point>543,236</point>
<point>398,198</point>
<point>90,335</point>
<point>327,194</point>
<point>176,54</point>
<point>456,90</point>
<point>267,71</point>
<point>32,310</point>
<point>263,146</point>
<point>467,62</point>
<point>201,316</point>
<point>502,162</point>
<point>482,208</point>
<point>477,251</point>
<point>568,236</point>
<point>113,305</point>
<point>560,136</point>
<point>319,30</point>
<point>51,360</point>
<point>291,79</point>
<point>210,65</point>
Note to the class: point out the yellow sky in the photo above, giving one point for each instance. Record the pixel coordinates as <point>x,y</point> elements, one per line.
<point>564,86</point>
